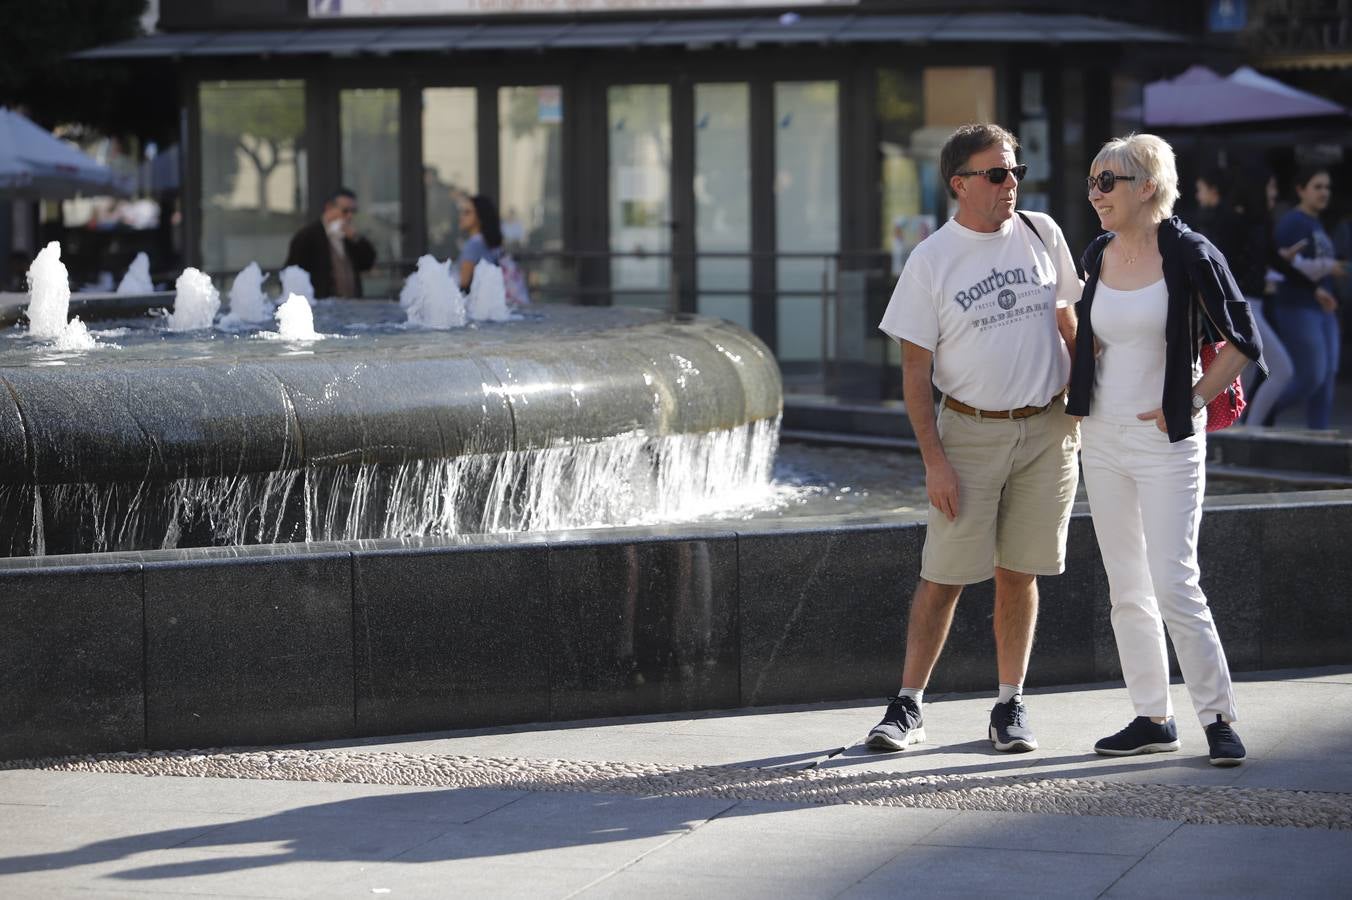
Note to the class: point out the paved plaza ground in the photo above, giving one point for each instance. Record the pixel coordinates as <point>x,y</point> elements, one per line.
<point>779,802</point>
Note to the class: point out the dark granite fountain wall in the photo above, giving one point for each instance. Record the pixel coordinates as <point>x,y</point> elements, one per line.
<point>221,407</point>
<point>214,646</point>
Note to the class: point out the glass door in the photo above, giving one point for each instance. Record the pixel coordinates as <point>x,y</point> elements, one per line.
<point>807,217</point>
<point>638,120</point>
<point>369,128</point>
<point>722,189</point>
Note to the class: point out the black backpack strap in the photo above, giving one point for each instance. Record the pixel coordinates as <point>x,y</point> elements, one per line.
<point>1029,222</point>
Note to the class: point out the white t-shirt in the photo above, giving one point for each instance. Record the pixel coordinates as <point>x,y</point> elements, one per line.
<point>985,305</point>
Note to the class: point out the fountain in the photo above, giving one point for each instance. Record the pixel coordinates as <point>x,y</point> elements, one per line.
<point>398,528</point>
<point>137,279</point>
<point>296,280</point>
<point>191,436</point>
<point>196,302</point>
<point>248,304</point>
<point>431,298</point>
<point>487,301</point>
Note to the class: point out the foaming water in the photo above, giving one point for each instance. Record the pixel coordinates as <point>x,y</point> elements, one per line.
<point>487,294</point>
<point>48,293</point>
<point>137,279</point>
<point>296,320</point>
<point>49,304</point>
<point>296,280</point>
<point>248,303</point>
<point>196,301</point>
<point>76,336</point>
<point>629,479</point>
<point>431,298</point>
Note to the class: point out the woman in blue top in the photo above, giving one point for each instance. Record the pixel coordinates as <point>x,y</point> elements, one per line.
<point>478,219</point>
<point>1306,315</point>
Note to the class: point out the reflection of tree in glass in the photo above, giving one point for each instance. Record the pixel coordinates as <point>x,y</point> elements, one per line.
<point>370,154</point>
<point>265,120</point>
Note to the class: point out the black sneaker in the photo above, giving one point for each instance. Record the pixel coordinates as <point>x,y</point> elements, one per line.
<point>1226,747</point>
<point>1009,729</point>
<point>901,726</point>
<point>1141,736</point>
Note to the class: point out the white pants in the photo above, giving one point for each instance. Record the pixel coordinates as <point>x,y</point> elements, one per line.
<point>1145,495</point>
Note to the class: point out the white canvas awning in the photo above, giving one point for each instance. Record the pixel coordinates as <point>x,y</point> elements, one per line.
<point>1201,97</point>
<point>36,164</point>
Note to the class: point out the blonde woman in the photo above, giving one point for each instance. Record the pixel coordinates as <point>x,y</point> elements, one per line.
<point>1137,382</point>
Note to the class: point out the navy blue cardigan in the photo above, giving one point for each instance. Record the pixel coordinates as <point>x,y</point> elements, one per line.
<point>1192,267</point>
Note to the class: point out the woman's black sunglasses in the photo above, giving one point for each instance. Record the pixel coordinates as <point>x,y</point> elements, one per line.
<point>1106,180</point>
<point>998,174</point>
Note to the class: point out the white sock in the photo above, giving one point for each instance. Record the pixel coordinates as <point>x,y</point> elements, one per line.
<point>1009,691</point>
<point>916,694</point>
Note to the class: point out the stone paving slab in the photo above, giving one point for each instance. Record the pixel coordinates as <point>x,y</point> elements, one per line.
<point>751,803</point>
<point>1241,861</point>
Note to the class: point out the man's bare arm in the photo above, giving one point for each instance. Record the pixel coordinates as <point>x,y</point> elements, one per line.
<point>941,481</point>
<point>1066,324</point>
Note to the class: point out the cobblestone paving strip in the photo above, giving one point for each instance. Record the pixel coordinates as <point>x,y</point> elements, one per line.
<point>1060,796</point>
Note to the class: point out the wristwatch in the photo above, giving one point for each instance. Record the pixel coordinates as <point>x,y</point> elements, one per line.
<point>1198,402</point>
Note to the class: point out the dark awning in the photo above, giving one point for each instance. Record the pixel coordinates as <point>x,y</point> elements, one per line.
<point>694,33</point>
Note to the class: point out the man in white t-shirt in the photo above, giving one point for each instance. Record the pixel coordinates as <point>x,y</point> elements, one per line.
<point>985,304</point>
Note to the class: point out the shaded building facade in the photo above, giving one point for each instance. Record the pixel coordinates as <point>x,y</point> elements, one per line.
<point>770,164</point>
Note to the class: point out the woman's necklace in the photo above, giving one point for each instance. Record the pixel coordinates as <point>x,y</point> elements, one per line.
<point>1129,257</point>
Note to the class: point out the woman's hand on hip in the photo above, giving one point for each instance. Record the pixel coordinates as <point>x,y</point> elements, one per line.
<point>1158,416</point>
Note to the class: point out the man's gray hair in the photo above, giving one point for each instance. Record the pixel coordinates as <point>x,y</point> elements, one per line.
<point>965,143</point>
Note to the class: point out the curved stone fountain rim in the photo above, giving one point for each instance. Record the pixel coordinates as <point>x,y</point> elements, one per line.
<point>401,397</point>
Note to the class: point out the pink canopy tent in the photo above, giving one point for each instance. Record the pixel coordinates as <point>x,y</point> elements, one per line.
<point>1201,97</point>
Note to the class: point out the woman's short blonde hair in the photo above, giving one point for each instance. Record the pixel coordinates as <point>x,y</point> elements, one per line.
<point>1144,155</point>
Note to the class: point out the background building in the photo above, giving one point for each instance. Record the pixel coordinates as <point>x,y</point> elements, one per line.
<point>771,163</point>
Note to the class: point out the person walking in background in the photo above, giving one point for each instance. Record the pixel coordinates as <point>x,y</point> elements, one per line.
<point>1258,270</point>
<point>1137,382</point>
<point>984,305</point>
<point>1216,218</point>
<point>479,220</point>
<point>332,250</point>
<point>1305,317</point>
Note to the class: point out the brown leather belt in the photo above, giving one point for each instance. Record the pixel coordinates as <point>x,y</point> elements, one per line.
<point>1022,412</point>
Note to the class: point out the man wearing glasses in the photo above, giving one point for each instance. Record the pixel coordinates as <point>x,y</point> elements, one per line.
<point>331,250</point>
<point>984,306</point>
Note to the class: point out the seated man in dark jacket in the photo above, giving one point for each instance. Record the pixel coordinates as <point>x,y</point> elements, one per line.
<point>331,250</point>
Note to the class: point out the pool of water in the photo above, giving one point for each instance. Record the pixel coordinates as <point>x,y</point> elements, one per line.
<point>820,480</point>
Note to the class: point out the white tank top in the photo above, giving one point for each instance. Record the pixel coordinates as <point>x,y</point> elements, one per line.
<point>1129,375</point>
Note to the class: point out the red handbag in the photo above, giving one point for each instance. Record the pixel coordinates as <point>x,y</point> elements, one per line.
<point>1224,409</point>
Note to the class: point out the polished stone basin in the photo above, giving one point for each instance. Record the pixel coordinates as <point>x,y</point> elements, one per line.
<point>214,416</point>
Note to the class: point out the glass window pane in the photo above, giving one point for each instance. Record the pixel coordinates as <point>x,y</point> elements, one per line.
<point>807,209</point>
<point>640,193</point>
<point>956,95</point>
<point>530,155</point>
<point>908,166</point>
<point>450,152</point>
<point>723,200</point>
<point>369,123</point>
<point>253,172</point>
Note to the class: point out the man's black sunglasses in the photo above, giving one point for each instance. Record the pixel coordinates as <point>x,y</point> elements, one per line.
<point>997,174</point>
<point>1106,180</point>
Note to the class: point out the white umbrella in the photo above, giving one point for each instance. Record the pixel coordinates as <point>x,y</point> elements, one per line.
<point>1201,97</point>
<point>36,164</point>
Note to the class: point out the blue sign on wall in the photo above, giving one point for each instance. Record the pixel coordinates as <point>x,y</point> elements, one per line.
<point>1227,15</point>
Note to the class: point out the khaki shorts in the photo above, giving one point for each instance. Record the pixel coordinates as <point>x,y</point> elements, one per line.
<point>1016,485</point>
